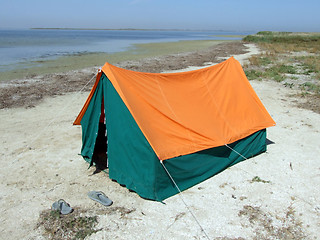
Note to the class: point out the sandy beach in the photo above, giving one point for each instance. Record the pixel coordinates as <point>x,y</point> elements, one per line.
<point>272,196</point>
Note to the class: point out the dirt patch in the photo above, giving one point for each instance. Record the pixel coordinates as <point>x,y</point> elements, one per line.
<point>77,225</point>
<point>214,54</point>
<point>30,91</point>
<point>311,102</point>
<point>268,226</point>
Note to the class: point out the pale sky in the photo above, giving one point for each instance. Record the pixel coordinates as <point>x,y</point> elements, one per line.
<point>235,15</point>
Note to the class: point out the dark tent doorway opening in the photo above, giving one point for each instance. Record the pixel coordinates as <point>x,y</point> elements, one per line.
<point>100,156</point>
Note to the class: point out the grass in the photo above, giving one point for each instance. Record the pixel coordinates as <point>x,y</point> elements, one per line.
<point>300,40</point>
<point>258,179</point>
<point>267,226</point>
<point>311,64</point>
<point>79,224</point>
<point>262,60</point>
<point>292,58</point>
<point>284,42</point>
<point>71,226</point>
<point>310,87</point>
<point>290,85</point>
<point>276,72</point>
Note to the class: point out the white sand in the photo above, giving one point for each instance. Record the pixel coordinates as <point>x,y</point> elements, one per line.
<point>40,164</point>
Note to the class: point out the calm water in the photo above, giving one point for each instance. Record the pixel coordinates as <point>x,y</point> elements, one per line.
<point>21,46</point>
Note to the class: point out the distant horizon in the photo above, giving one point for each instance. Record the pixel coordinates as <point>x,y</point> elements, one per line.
<point>149,29</point>
<point>126,28</point>
<point>140,29</point>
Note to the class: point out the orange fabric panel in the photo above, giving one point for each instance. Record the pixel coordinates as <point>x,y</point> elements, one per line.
<point>182,113</point>
<point>84,108</point>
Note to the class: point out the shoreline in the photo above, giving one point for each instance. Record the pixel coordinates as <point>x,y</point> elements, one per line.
<point>60,77</point>
<point>79,61</point>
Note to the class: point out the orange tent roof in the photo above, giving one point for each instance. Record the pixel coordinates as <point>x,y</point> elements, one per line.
<point>185,112</point>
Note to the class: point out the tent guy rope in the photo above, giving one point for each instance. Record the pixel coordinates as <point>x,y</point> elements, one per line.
<point>184,202</point>
<point>236,152</point>
<point>181,195</point>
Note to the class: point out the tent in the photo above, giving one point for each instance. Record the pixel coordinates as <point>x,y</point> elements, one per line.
<point>196,123</point>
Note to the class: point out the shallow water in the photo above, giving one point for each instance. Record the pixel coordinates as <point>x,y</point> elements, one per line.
<point>19,47</point>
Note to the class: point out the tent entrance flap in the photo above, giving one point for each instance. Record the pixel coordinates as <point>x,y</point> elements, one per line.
<point>94,139</point>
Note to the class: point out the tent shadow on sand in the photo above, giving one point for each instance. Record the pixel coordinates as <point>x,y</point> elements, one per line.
<point>269,142</point>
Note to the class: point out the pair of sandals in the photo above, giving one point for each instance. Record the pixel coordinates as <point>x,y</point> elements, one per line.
<point>64,208</point>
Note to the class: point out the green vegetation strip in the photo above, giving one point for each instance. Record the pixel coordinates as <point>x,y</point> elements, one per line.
<point>286,56</point>
<point>274,72</point>
<point>283,37</point>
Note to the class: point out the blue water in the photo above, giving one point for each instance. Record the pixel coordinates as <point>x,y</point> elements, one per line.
<point>18,47</point>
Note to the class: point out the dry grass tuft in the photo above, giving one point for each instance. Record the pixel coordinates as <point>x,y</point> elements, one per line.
<point>77,225</point>
<point>268,226</point>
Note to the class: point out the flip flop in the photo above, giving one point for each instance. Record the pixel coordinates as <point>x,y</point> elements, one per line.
<point>62,206</point>
<point>100,197</point>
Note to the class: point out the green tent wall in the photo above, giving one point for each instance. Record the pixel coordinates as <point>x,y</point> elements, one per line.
<point>132,161</point>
